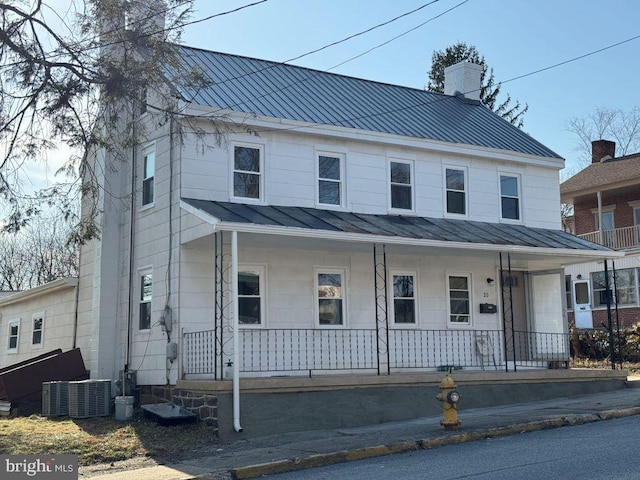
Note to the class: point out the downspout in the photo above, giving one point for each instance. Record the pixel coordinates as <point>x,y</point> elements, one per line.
<point>236,332</point>
<point>134,161</point>
<point>75,320</point>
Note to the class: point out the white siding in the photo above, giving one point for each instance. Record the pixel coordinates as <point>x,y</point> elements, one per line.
<point>59,319</point>
<point>290,177</point>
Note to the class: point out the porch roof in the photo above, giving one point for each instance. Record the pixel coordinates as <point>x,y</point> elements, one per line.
<point>437,232</point>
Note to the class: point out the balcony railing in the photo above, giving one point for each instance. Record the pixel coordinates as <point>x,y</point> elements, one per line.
<point>617,239</point>
<point>314,351</point>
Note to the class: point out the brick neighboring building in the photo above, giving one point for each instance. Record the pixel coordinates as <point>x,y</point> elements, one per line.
<point>606,206</point>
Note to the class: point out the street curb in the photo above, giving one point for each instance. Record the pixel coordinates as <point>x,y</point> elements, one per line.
<point>323,459</point>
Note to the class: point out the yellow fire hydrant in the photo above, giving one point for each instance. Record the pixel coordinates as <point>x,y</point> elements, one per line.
<point>449,398</point>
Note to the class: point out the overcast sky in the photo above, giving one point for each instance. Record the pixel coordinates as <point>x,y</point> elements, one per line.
<point>516,37</point>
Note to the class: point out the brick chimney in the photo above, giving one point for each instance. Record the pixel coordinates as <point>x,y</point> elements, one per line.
<point>464,78</point>
<point>601,149</point>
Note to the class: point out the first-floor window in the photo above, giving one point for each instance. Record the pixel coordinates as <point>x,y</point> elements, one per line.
<point>404,298</point>
<point>567,292</point>
<point>14,335</point>
<point>625,287</point>
<point>146,293</point>
<point>38,327</point>
<point>330,297</point>
<point>459,287</point>
<point>250,296</point>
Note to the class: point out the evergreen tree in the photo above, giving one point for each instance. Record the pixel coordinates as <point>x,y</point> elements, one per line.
<point>489,90</point>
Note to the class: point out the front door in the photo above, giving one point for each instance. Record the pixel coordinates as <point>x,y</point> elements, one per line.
<point>582,304</point>
<point>516,339</point>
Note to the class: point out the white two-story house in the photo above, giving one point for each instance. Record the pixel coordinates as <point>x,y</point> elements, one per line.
<point>342,226</point>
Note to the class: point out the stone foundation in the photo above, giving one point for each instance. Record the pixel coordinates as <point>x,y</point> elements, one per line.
<point>204,405</point>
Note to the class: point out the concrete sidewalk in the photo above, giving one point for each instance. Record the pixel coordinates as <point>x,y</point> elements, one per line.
<point>284,452</point>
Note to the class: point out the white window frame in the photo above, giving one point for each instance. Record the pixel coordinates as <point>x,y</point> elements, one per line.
<point>446,189</point>
<point>568,292</point>
<point>141,300</point>
<point>149,151</point>
<point>260,174</point>
<point>414,274</point>
<point>259,270</point>
<point>411,185</point>
<point>34,318</point>
<point>518,197</point>
<point>469,278</point>
<point>340,182</point>
<point>330,271</point>
<point>13,322</point>
<point>605,210</point>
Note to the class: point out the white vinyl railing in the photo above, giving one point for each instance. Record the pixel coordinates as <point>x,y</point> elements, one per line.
<point>617,239</point>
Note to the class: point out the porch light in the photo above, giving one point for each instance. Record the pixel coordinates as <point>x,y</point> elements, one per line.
<point>490,280</point>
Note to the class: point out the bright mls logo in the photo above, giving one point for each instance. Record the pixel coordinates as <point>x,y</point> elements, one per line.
<point>58,467</point>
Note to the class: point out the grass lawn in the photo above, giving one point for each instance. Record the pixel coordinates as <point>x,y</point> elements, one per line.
<point>102,439</point>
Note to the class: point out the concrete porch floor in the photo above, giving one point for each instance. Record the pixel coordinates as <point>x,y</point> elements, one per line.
<point>289,404</point>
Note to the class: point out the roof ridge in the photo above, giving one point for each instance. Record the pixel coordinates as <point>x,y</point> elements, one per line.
<point>315,70</point>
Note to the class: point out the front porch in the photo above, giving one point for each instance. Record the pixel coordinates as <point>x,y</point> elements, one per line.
<point>315,352</point>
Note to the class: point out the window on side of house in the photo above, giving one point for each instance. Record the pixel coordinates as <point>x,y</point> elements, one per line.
<point>404,298</point>
<point>330,288</point>
<point>251,296</point>
<point>148,177</point>
<point>459,294</point>
<point>567,291</point>
<point>146,294</point>
<point>456,198</point>
<point>247,172</point>
<point>13,335</point>
<point>330,168</point>
<point>625,287</point>
<point>38,330</point>
<point>509,197</point>
<point>401,182</point>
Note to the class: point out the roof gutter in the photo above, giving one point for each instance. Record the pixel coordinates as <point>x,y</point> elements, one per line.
<point>390,240</point>
<point>580,255</point>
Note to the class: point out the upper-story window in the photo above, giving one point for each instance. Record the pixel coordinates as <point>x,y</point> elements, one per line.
<point>38,329</point>
<point>401,182</point>
<point>14,335</point>
<point>456,197</point>
<point>251,296</point>
<point>247,172</point>
<point>330,179</point>
<point>509,197</point>
<point>149,167</point>
<point>607,220</point>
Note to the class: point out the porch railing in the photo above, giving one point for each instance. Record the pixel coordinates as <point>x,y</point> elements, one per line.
<point>617,238</point>
<point>316,350</point>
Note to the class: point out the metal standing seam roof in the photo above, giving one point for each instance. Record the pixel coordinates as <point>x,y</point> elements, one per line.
<point>271,89</point>
<point>422,228</point>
